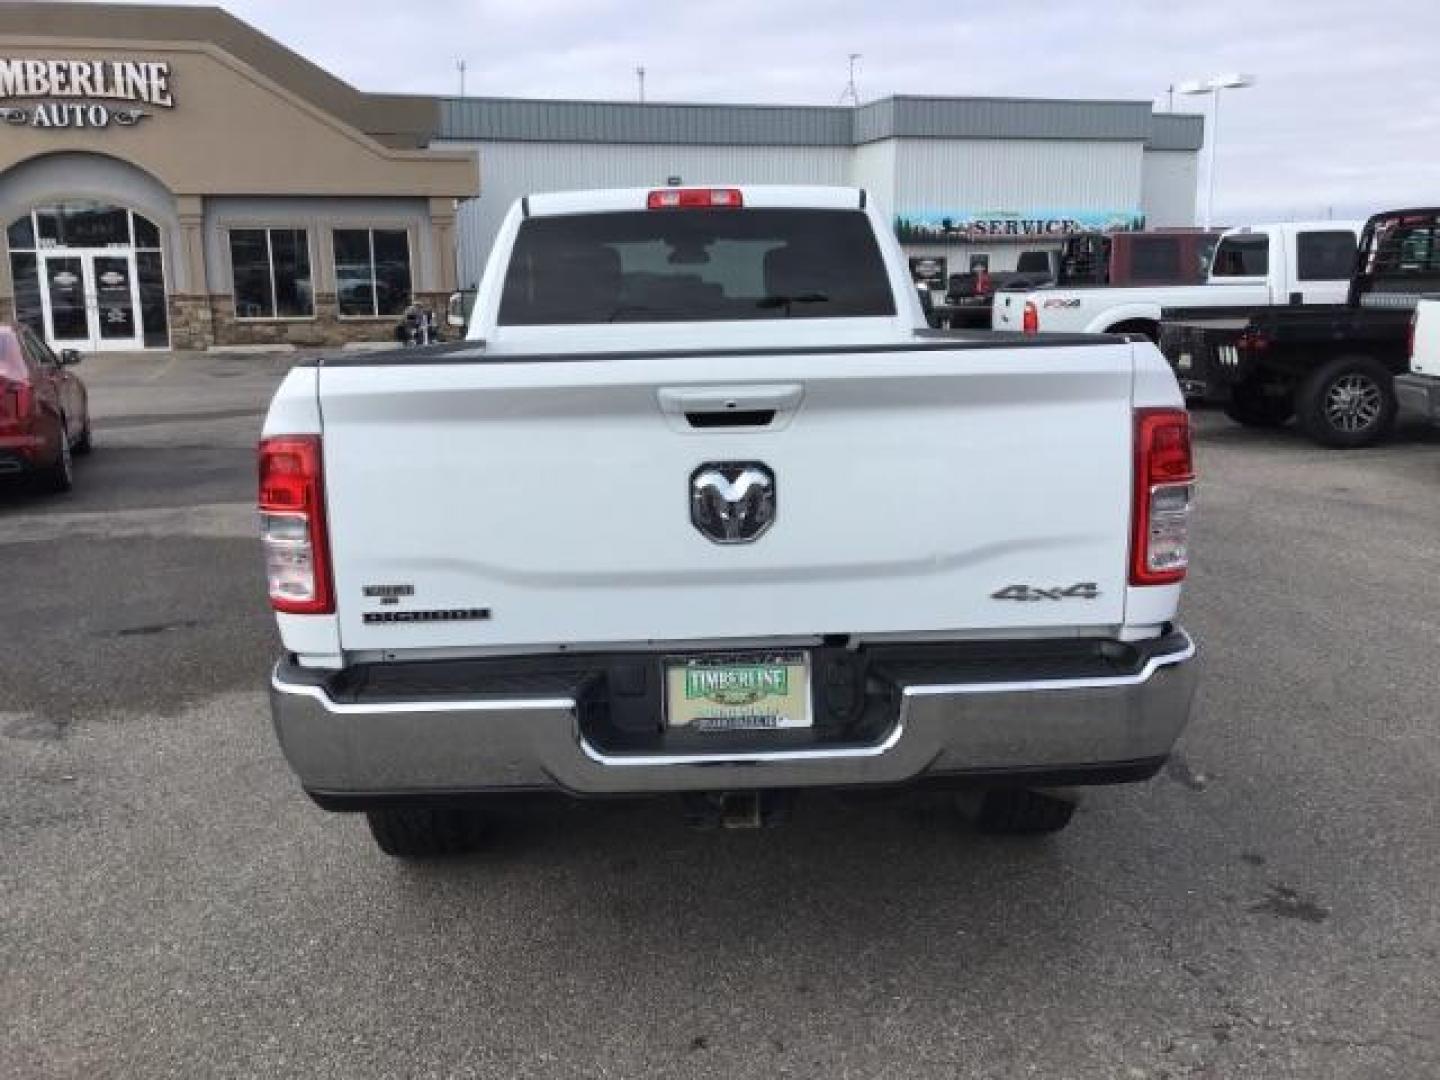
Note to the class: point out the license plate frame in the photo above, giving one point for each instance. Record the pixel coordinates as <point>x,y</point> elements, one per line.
<point>739,693</point>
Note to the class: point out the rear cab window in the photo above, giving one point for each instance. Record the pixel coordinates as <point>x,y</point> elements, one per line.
<point>695,265</point>
<point>1401,255</point>
<point>1325,256</point>
<point>1155,258</point>
<point>1242,256</point>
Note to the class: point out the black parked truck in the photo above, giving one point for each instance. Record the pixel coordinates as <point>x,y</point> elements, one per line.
<point>1330,367</point>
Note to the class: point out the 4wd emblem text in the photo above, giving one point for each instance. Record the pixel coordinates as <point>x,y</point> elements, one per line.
<point>1085,590</point>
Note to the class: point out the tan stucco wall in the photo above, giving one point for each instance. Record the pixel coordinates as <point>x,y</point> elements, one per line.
<point>235,136</point>
<point>233,131</point>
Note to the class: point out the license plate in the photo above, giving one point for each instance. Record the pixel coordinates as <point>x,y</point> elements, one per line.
<point>1183,361</point>
<point>753,692</point>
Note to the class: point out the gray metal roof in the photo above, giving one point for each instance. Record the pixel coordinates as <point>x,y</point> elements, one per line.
<point>519,120</point>
<point>1176,131</point>
<point>529,120</point>
<point>1000,118</point>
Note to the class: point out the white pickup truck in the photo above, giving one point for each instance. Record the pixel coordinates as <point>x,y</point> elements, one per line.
<point>1418,391</point>
<point>1263,266</point>
<point>700,507</point>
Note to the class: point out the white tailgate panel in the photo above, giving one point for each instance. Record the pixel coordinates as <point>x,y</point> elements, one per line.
<point>910,488</point>
<point>1426,358</point>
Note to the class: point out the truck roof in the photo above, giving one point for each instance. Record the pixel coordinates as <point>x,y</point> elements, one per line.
<point>1289,228</point>
<point>798,196</point>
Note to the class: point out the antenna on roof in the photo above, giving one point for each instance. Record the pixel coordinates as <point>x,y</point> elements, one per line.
<point>640,75</point>
<point>460,66</point>
<point>851,91</point>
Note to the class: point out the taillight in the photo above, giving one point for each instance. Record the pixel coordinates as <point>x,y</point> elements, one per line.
<point>292,525</point>
<point>1252,341</point>
<point>1030,321</point>
<point>694,198</point>
<point>14,403</point>
<point>1164,486</point>
<point>1410,335</point>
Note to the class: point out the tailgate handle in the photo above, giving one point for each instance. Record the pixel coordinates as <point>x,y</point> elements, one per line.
<point>730,406</point>
<point>731,418</point>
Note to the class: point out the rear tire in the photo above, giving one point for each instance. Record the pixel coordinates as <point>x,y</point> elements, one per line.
<point>1251,406</point>
<point>1350,402</point>
<point>1022,812</point>
<point>58,478</point>
<point>425,832</point>
<point>85,443</point>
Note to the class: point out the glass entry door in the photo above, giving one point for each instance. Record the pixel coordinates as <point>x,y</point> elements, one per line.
<point>115,300</point>
<point>62,295</point>
<point>91,300</point>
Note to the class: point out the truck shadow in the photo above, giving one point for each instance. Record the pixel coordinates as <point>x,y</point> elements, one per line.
<point>900,880</point>
<point>1214,429</point>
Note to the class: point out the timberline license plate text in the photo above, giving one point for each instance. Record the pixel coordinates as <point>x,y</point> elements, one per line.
<point>742,693</point>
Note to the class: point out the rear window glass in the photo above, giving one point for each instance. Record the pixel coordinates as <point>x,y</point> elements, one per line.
<point>1204,253</point>
<point>1242,256</point>
<point>694,265</point>
<point>1155,258</point>
<point>12,362</point>
<point>1325,256</point>
<point>1405,247</point>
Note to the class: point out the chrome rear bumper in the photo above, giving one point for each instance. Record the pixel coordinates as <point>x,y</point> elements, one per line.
<point>348,750</point>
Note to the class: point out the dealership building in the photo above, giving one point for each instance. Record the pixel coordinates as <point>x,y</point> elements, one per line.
<point>963,178</point>
<point>172,178</point>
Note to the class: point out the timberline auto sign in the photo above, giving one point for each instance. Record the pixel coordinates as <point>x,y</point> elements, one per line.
<point>78,90</point>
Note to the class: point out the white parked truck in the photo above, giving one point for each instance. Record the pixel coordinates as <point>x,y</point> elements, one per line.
<point>1418,391</point>
<point>701,507</point>
<point>1263,266</point>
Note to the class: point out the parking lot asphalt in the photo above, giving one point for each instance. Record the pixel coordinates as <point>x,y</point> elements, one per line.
<point>171,905</point>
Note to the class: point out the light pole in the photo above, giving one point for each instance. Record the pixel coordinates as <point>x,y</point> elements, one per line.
<point>1233,81</point>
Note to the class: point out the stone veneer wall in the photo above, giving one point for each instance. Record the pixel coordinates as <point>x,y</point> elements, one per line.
<point>198,322</point>
<point>7,309</point>
<point>190,322</point>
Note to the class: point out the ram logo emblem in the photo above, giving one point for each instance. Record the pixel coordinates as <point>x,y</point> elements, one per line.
<point>732,502</point>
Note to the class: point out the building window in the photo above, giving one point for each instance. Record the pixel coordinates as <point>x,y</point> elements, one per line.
<point>270,269</point>
<point>372,272</point>
<point>25,273</point>
<point>53,233</point>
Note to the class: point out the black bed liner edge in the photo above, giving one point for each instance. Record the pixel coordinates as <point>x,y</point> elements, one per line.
<point>473,352</point>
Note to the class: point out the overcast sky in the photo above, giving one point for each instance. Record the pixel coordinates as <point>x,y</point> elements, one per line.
<point>1345,113</point>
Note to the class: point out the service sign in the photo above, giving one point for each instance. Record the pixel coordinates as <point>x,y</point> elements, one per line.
<point>918,226</point>
<point>57,94</point>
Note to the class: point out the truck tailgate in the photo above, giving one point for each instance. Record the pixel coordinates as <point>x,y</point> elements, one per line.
<point>532,502</point>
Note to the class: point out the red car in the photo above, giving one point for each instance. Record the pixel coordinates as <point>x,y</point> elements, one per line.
<point>44,410</point>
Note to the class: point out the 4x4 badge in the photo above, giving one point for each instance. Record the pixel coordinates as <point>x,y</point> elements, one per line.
<point>1084,590</point>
